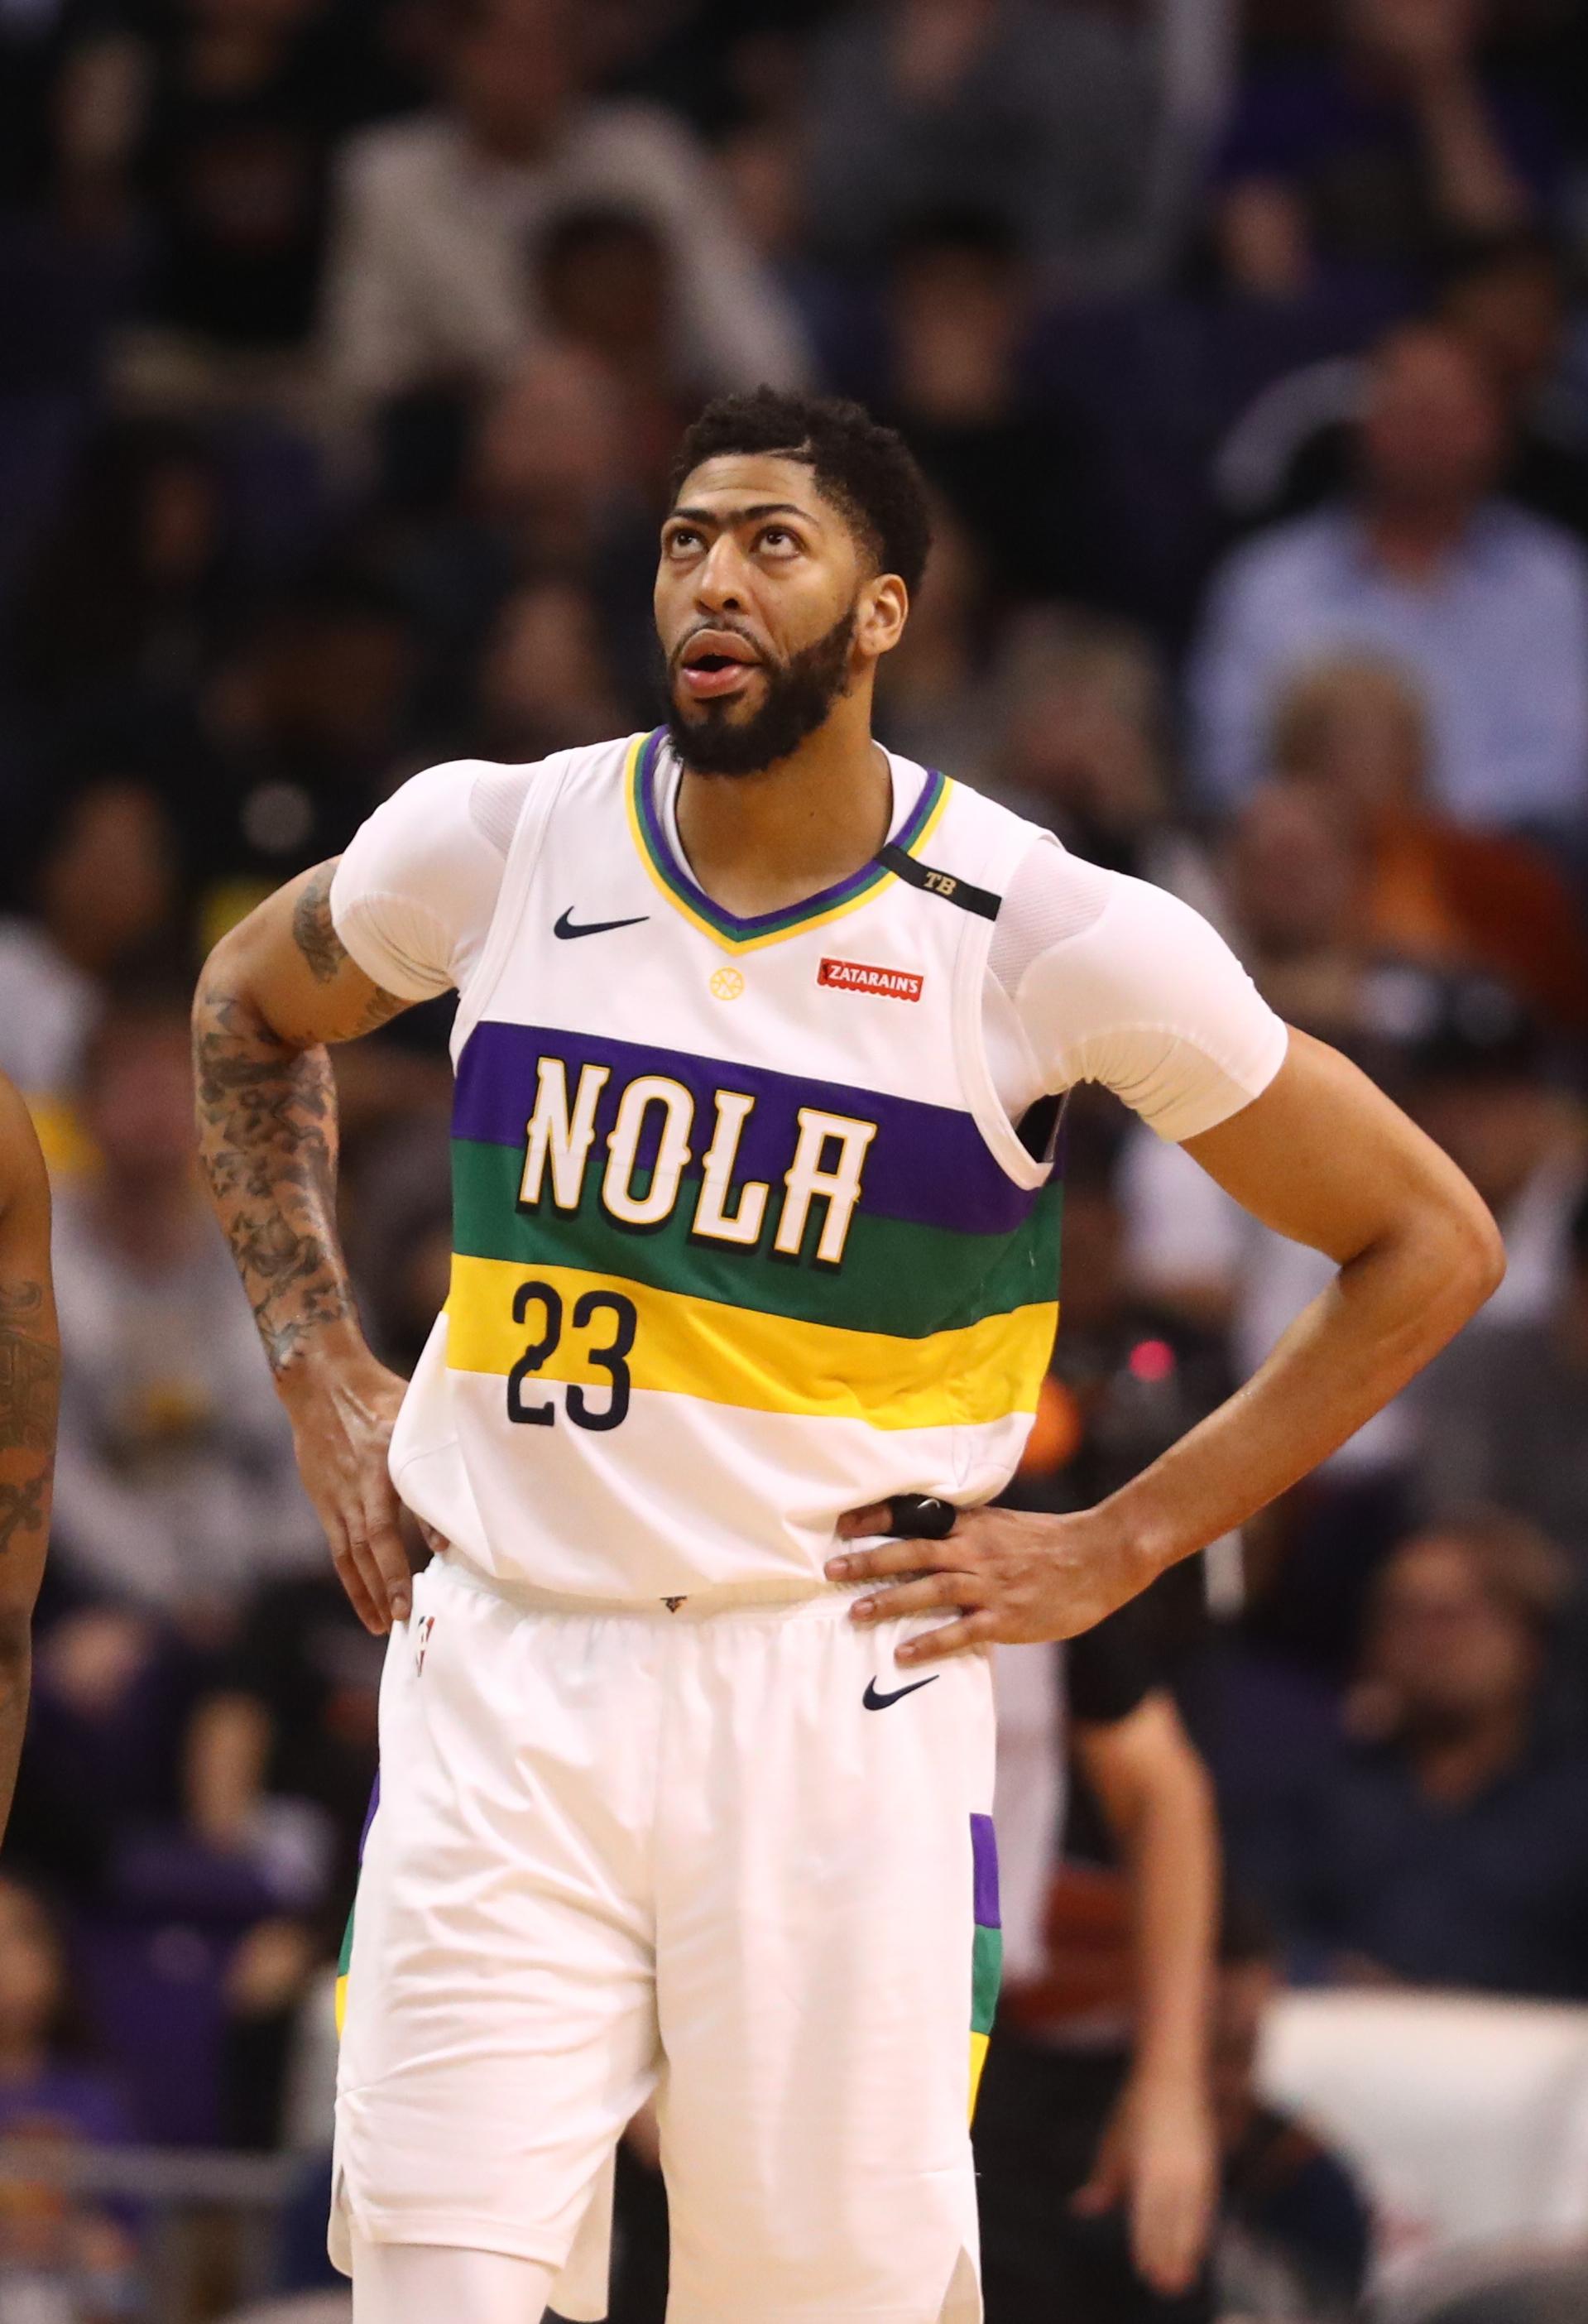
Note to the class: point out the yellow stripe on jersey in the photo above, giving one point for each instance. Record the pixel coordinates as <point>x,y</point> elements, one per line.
<point>978,2059</point>
<point>701,1348</point>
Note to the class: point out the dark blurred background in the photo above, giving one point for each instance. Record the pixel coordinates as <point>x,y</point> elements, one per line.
<point>343,345</point>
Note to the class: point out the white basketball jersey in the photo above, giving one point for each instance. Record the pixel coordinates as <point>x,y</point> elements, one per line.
<point>742,1238</point>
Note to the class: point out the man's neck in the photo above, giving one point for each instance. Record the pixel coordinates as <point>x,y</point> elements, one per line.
<point>1414,542</point>
<point>760,842</point>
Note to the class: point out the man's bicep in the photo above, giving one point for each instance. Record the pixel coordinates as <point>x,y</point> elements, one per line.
<point>1323,1157</point>
<point>287,959</point>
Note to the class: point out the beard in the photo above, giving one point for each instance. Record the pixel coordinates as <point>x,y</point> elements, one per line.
<point>797,695</point>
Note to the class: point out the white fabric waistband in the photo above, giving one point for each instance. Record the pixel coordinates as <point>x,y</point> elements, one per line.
<point>779,1599</point>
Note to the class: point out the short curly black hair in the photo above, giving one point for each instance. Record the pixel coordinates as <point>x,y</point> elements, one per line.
<point>867,471</point>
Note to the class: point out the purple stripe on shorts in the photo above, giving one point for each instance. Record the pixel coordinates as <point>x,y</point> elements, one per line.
<point>985,1855</point>
<point>375,1801</point>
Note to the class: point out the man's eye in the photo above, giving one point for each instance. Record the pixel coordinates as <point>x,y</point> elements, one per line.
<point>682,539</point>
<point>778,536</point>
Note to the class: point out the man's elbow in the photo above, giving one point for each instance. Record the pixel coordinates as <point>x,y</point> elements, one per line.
<point>1475,1254</point>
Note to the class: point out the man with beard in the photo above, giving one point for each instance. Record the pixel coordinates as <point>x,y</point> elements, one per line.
<point>762,1035</point>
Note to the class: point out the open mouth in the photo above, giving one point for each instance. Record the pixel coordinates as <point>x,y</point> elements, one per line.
<point>716,662</point>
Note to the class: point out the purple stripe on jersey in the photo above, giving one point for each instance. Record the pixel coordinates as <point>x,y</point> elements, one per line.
<point>985,1855</point>
<point>928,1164</point>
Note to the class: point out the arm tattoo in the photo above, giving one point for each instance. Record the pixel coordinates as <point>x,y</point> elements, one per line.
<point>23,1507</point>
<point>267,1122</point>
<point>30,1371</point>
<point>30,1387</point>
<point>314,932</point>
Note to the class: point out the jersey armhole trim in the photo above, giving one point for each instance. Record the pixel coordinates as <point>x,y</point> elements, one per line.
<point>975,1072</point>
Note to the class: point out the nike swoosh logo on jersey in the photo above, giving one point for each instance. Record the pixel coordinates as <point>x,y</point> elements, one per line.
<point>875,1701</point>
<point>565,927</point>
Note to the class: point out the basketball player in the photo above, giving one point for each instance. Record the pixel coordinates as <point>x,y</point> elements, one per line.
<point>686,1760</point>
<point>30,1390</point>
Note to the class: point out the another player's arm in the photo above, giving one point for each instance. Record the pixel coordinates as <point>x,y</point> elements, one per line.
<point>30,1390</point>
<point>1158,2154</point>
<point>272,994</point>
<point>1324,1158</point>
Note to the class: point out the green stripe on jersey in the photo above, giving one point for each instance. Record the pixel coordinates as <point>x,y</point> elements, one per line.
<point>986,1975</point>
<point>896,1278</point>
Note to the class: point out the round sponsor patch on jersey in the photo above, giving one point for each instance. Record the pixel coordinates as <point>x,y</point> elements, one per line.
<point>727,983</point>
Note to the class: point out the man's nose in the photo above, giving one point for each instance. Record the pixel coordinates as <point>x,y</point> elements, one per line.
<point>719,581</point>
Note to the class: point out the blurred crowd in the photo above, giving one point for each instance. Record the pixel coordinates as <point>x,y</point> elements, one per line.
<point>1246,351</point>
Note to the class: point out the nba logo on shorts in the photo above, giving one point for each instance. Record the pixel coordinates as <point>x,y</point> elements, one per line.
<point>421,1640</point>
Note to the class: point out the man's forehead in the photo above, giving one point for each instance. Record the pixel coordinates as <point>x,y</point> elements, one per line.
<point>742,481</point>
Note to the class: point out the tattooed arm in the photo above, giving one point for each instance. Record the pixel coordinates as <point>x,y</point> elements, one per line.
<point>273,993</point>
<point>30,1385</point>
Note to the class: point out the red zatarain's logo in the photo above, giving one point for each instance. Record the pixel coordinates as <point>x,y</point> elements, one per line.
<point>856,976</point>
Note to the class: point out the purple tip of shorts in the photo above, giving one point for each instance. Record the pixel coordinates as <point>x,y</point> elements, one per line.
<point>984,1856</point>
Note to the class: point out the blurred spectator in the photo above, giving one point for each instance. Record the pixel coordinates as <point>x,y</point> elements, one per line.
<point>103,884</point>
<point>1083,747</point>
<point>62,2261</point>
<point>294,1718</point>
<point>1509,300</point>
<point>47,2087</point>
<point>1093,2139</point>
<point>129,588</point>
<point>1484,606</point>
<point>400,1231</point>
<point>554,487</point>
<point>1428,889</point>
<point>301,730</point>
<point>1296,873</point>
<point>1446,1843</point>
<point>962,306</point>
<point>606,284</point>
<point>544,683</point>
<point>1503,1416</point>
<point>211,123</point>
<point>1041,116</point>
<point>432,273</point>
<point>1294,2232</point>
<point>1479,1081</point>
<point>1468,1063</point>
<point>1506,300</point>
<point>934,702</point>
<point>1377,153</point>
<point>176,1488</point>
<point>1128,1377</point>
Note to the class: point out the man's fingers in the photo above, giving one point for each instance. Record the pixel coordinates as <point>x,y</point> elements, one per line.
<point>922,1596</point>
<point>1110,2180</point>
<point>961,1637</point>
<point>895,1557</point>
<point>1166,2236</point>
<point>351,1577</point>
<point>391,1563</point>
<point>383,1533</point>
<point>1169,2229</point>
<point>855,1524</point>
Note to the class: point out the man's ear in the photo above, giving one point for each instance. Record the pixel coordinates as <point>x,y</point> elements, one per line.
<point>881,616</point>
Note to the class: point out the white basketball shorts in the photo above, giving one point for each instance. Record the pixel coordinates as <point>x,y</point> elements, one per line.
<point>736,1856</point>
